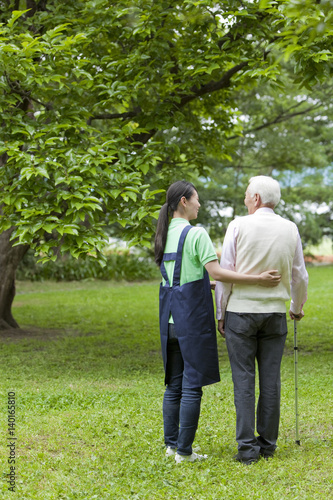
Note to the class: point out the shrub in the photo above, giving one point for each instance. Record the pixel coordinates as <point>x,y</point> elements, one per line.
<point>121,265</point>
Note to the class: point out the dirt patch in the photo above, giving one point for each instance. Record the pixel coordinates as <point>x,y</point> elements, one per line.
<point>17,334</point>
<point>44,334</point>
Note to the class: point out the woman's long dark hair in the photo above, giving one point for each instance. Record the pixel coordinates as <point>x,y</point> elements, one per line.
<point>174,194</point>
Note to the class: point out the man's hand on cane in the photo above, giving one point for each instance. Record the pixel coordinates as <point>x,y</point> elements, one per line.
<point>296,317</point>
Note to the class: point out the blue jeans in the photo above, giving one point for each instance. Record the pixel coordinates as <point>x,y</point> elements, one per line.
<point>181,404</point>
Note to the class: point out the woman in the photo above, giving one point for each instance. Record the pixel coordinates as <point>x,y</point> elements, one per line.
<point>187,325</point>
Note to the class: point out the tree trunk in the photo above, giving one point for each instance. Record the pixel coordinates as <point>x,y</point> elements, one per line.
<point>10,258</point>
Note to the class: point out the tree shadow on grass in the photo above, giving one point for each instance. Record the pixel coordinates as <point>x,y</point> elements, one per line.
<point>17,334</point>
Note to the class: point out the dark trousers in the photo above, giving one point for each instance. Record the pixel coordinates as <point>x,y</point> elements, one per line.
<point>250,337</point>
<point>181,403</point>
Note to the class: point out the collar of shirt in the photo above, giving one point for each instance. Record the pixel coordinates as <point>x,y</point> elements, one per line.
<point>264,210</point>
<point>177,221</point>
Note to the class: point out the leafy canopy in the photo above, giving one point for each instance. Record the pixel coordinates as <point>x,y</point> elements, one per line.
<point>98,99</point>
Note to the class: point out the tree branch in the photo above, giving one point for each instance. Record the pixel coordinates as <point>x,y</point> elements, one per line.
<point>113,116</point>
<point>213,86</point>
<point>282,117</point>
<point>17,89</point>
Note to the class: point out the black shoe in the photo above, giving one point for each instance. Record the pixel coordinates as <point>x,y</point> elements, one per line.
<point>266,454</point>
<point>246,461</point>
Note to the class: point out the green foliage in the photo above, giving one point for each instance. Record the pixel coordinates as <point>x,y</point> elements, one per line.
<point>308,22</point>
<point>89,397</point>
<point>119,265</point>
<point>284,133</point>
<point>101,104</point>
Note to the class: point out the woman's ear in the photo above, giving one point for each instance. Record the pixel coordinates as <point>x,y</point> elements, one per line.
<point>183,201</point>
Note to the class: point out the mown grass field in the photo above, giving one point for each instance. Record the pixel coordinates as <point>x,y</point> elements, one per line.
<point>88,381</point>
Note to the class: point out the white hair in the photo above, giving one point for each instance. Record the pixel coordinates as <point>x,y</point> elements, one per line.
<point>267,188</point>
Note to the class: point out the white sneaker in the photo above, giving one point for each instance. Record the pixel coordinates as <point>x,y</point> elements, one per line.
<point>189,458</point>
<point>170,452</point>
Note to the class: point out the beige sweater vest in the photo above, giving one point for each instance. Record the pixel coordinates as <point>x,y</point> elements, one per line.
<point>265,241</point>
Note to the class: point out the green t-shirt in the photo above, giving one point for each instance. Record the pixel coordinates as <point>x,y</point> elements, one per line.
<point>198,249</point>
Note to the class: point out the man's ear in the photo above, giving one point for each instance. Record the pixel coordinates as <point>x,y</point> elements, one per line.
<point>257,200</point>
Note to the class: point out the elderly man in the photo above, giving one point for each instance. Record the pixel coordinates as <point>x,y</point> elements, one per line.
<point>252,319</point>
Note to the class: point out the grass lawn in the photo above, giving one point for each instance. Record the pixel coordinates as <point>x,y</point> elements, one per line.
<point>87,375</point>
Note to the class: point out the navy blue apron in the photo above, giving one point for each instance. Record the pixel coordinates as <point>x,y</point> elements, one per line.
<point>191,306</point>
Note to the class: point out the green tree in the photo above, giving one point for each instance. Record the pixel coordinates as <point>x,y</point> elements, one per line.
<point>285,133</point>
<point>94,96</point>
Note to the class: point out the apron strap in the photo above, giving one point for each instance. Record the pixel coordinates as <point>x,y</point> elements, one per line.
<point>167,257</point>
<point>178,264</point>
<point>177,256</point>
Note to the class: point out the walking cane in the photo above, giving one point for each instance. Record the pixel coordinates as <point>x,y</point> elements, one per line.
<point>296,380</point>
